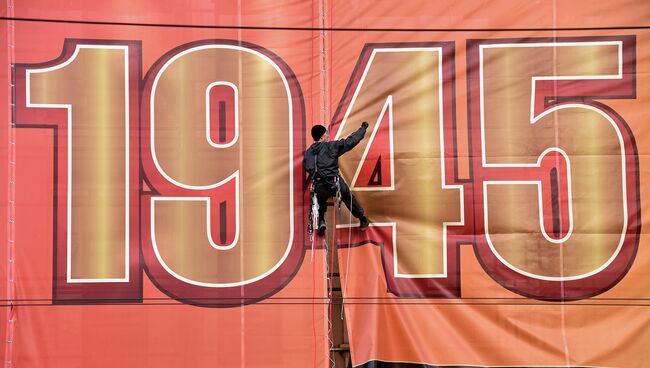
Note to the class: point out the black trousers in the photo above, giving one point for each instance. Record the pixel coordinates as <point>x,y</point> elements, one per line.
<point>325,188</point>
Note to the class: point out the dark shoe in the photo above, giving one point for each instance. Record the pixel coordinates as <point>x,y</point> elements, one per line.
<point>363,223</point>
<point>321,228</point>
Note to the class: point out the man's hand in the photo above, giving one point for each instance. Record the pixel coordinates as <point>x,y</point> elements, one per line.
<point>364,124</point>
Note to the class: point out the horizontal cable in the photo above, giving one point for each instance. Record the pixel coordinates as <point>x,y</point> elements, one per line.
<point>266,302</point>
<point>337,29</point>
<point>397,298</point>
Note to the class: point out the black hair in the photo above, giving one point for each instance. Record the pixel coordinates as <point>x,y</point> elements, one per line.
<point>317,131</point>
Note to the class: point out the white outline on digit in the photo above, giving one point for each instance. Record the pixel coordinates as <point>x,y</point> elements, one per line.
<point>68,107</point>
<point>234,175</point>
<point>207,114</point>
<point>442,159</point>
<point>535,119</point>
<point>388,106</point>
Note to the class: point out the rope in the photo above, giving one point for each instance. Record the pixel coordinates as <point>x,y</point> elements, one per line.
<point>313,219</point>
<point>11,204</point>
<point>347,261</point>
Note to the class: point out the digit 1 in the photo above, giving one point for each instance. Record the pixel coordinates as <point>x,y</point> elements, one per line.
<point>88,97</point>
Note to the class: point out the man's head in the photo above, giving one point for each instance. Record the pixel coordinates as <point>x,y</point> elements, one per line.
<point>317,132</point>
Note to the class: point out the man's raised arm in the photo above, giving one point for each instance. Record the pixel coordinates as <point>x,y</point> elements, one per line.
<point>353,139</point>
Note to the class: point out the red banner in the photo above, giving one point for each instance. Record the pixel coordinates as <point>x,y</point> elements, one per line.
<point>157,206</point>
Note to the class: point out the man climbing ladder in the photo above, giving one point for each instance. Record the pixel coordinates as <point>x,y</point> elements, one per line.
<point>321,161</point>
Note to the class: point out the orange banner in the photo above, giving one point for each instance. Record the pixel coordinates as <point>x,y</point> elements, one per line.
<point>157,206</point>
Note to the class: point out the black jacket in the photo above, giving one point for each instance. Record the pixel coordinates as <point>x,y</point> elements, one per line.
<point>321,160</point>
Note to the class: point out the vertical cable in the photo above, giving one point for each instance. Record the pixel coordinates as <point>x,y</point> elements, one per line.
<point>242,92</point>
<point>344,289</point>
<point>328,270</point>
<point>11,191</point>
<point>323,62</point>
<point>313,267</point>
<point>324,118</point>
<point>565,341</point>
